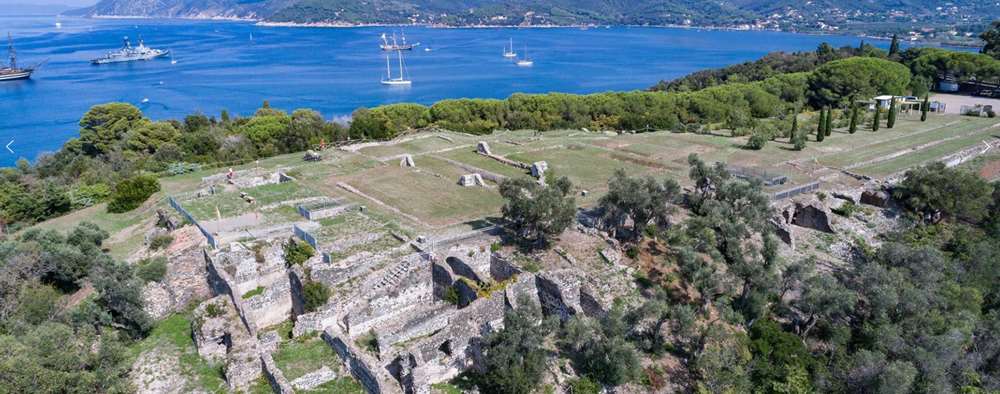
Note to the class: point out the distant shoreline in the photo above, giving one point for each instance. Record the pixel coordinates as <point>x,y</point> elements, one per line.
<point>342,25</point>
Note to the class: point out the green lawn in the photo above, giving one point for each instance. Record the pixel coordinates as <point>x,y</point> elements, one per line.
<point>434,200</point>
<point>297,357</point>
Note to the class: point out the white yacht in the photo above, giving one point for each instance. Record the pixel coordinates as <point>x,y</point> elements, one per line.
<point>400,79</point>
<point>508,52</point>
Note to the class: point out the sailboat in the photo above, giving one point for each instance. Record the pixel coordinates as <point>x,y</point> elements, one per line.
<point>509,52</point>
<point>399,80</point>
<point>526,61</point>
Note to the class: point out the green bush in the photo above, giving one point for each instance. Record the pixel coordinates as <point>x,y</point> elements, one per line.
<point>297,252</point>
<point>314,295</point>
<point>161,241</point>
<point>451,295</point>
<point>756,142</point>
<point>83,196</point>
<point>584,386</point>
<point>132,192</point>
<point>151,270</point>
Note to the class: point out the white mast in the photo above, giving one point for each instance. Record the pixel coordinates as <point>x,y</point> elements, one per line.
<point>10,49</point>
<point>401,75</point>
<point>388,71</point>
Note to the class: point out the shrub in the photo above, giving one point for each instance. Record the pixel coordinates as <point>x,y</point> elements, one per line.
<point>161,241</point>
<point>756,142</point>
<point>132,192</point>
<point>151,270</point>
<point>314,295</point>
<point>846,210</point>
<point>181,167</point>
<point>297,252</point>
<point>213,310</point>
<point>632,252</point>
<point>87,195</point>
<point>451,295</point>
<point>583,386</point>
<point>369,342</point>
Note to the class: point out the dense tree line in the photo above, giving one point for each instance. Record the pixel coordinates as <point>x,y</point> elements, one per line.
<point>772,64</point>
<point>48,344</point>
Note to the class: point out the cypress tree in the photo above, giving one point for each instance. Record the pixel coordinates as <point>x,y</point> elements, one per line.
<point>795,127</point>
<point>821,128</point>
<point>891,121</point>
<point>821,123</point>
<point>894,46</point>
<point>924,108</point>
<point>829,122</point>
<point>875,120</point>
<point>854,118</point>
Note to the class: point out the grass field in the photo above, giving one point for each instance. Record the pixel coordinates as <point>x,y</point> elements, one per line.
<point>299,356</point>
<point>433,199</point>
<point>430,193</point>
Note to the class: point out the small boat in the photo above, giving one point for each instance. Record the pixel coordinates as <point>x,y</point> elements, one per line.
<point>399,80</point>
<point>526,61</point>
<point>58,25</point>
<point>395,46</point>
<point>12,72</point>
<point>427,49</point>
<point>509,52</point>
<point>145,100</point>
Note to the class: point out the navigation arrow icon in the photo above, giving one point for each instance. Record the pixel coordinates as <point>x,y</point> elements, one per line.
<point>8,145</point>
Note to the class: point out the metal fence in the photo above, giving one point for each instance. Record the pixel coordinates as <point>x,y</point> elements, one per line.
<point>809,187</point>
<point>748,173</point>
<point>187,215</point>
<point>305,236</point>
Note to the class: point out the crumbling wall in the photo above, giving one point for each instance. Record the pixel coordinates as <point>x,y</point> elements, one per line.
<point>361,369</point>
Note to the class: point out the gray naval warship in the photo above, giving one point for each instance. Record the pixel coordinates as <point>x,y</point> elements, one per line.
<point>128,53</point>
<point>12,72</point>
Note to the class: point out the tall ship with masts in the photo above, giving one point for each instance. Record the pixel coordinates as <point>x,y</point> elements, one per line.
<point>390,44</point>
<point>128,53</point>
<point>12,72</point>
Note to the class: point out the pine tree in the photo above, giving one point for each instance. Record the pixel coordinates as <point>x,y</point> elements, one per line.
<point>829,122</point>
<point>924,108</point>
<point>854,118</point>
<point>875,120</point>
<point>894,46</point>
<point>891,121</point>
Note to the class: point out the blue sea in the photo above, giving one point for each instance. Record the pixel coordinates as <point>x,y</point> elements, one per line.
<point>235,66</point>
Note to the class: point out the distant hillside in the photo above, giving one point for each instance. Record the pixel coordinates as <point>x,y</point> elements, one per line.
<point>816,15</point>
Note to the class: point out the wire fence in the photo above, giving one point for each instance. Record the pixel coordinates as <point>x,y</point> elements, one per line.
<point>809,187</point>
<point>187,215</point>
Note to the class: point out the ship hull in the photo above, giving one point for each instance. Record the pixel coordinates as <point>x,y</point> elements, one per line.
<point>14,76</point>
<point>128,59</point>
